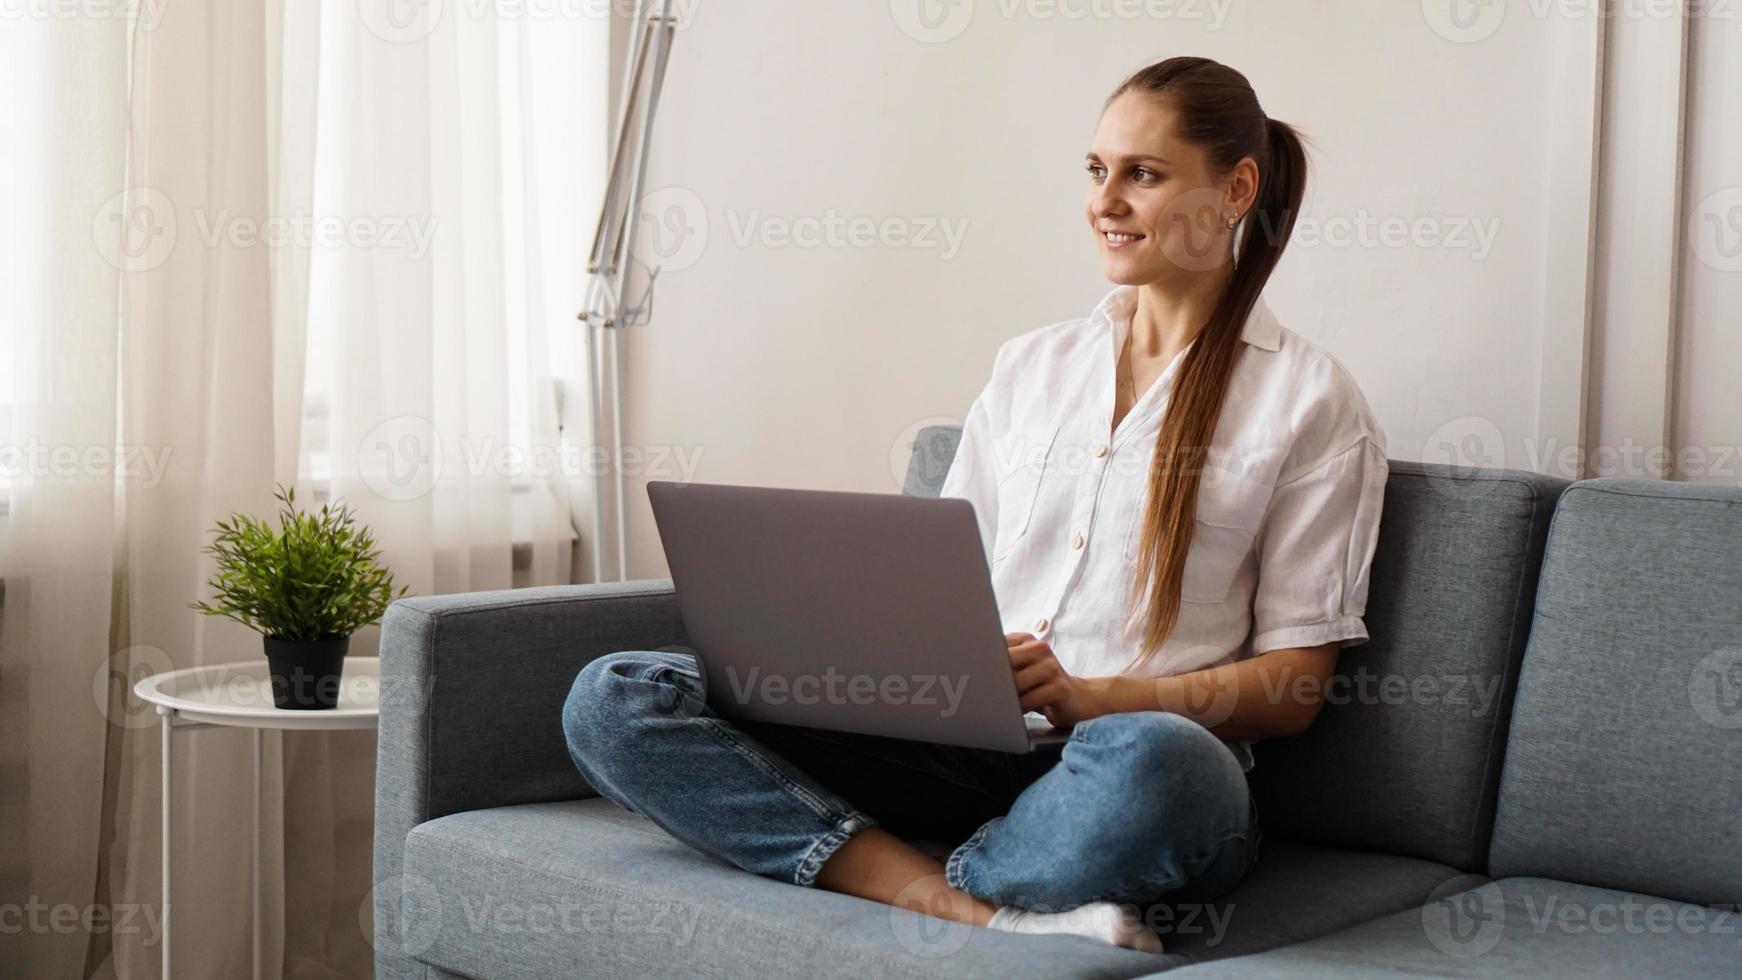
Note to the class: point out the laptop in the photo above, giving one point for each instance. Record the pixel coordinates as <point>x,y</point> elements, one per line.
<point>856,612</point>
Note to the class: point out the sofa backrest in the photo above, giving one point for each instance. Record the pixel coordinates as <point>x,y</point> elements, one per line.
<point>1624,765</point>
<point>934,447</point>
<point>1405,756</point>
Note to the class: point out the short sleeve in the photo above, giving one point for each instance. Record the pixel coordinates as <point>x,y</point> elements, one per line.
<point>972,475</point>
<point>1315,548</point>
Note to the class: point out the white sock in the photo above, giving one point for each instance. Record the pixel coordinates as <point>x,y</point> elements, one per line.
<point>1097,920</point>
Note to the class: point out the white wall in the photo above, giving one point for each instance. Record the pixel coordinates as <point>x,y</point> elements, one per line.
<point>776,364</point>
<point>1661,393</point>
<point>1707,394</point>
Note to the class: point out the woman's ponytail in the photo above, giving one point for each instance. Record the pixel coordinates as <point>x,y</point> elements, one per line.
<point>1217,111</point>
<point>1267,228</point>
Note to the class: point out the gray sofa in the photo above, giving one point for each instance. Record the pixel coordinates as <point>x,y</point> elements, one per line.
<point>1534,767</point>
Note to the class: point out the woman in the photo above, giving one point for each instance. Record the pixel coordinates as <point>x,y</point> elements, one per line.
<point>1179,450</point>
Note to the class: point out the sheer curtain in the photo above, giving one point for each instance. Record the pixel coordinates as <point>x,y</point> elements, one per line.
<point>59,341</point>
<point>298,242</point>
<point>422,337</point>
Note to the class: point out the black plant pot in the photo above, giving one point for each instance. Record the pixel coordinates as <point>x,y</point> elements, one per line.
<point>305,673</point>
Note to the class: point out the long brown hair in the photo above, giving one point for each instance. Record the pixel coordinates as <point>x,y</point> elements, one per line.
<point>1218,112</point>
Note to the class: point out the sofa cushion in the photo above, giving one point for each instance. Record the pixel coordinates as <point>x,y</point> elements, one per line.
<point>1515,927</point>
<point>1297,892</point>
<point>1406,757</point>
<point>1623,769</point>
<point>588,888</point>
<point>929,458</point>
<point>542,889</point>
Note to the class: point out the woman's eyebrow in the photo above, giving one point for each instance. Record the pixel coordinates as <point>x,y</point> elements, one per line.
<point>1132,158</point>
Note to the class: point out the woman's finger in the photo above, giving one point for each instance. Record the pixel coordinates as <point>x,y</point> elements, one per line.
<point>1043,695</point>
<point>1022,656</point>
<point>1034,674</point>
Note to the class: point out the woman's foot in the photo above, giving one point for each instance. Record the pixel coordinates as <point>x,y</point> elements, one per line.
<point>1097,920</point>
<point>878,865</point>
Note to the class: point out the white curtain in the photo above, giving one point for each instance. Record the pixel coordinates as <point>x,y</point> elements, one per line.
<point>308,243</point>
<point>423,333</point>
<point>59,337</point>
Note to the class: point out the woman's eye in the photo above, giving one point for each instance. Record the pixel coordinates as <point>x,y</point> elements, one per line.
<point>1146,172</point>
<point>1094,170</point>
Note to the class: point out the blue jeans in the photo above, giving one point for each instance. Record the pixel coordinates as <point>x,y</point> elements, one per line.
<point>1133,808</point>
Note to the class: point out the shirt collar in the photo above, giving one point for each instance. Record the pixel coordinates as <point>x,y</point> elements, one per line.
<point>1262,329</point>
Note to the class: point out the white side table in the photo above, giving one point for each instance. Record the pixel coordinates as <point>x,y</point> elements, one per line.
<point>239,695</point>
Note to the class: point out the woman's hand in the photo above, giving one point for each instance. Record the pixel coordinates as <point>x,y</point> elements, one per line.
<point>1044,686</point>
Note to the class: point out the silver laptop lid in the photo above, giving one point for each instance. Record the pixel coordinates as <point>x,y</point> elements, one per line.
<point>852,611</point>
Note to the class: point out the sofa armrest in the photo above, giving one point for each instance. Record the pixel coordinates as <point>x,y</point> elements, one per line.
<point>472,689</point>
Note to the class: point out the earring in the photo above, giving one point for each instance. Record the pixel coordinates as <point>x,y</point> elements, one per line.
<point>1233,221</point>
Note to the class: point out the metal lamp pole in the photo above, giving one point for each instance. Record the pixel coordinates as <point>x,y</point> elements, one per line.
<point>608,266</point>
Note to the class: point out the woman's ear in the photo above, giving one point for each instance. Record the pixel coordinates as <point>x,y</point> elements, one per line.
<point>1243,186</point>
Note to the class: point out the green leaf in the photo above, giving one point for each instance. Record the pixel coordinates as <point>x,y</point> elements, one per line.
<point>319,574</point>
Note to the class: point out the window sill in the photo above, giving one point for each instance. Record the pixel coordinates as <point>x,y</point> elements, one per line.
<point>525,498</point>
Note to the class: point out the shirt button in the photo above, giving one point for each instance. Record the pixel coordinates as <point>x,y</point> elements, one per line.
<point>1077,540</point>
<point>1040,625</point>
<point>1100,449</point>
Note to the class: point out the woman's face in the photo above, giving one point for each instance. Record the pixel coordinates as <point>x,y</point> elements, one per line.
<point>1145,182</point>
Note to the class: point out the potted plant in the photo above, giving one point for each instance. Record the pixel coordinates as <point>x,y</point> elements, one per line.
<point>305,588</point>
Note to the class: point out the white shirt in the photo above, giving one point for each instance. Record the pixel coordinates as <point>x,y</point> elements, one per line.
<point>1288,505</point>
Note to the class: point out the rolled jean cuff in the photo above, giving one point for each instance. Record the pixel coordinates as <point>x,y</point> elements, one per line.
<point>827,845</point>
<point>955,868</point>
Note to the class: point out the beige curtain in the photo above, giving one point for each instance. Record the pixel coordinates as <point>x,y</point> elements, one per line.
<point>59,338</point>
<point>166,303</point>
<point>198,379</point>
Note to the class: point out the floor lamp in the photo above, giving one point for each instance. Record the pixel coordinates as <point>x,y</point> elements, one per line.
<point>608,305</point>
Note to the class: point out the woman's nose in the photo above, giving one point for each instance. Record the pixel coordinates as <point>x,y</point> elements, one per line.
<point>1105,203</point>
